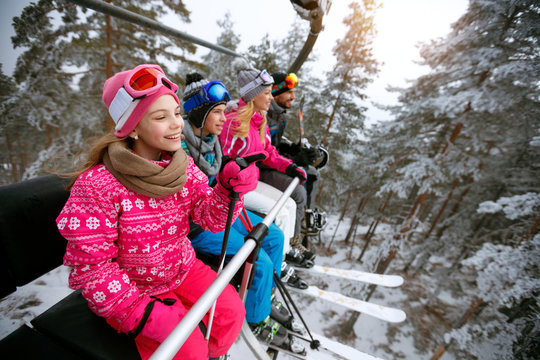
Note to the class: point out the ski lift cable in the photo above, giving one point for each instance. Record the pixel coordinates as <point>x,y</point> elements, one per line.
<point>118,12</point>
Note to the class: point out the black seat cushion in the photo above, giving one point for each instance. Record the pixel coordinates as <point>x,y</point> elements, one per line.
<point>26,343</point>
<point>73,324</point>
<point>30,244</point>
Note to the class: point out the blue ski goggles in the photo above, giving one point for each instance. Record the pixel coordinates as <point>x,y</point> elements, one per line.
<point>214,91</point>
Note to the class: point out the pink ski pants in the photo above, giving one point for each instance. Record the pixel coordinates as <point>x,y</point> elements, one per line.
<point>228,317</point>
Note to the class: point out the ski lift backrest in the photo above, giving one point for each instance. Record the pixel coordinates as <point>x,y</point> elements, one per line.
<point>30,244</point>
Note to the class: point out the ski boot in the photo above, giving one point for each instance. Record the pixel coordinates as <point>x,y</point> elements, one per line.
<point>296,346</point>
<point>296,243</point>
<point>273,334</point>
<point>314,221</point>
<point>281,314</point>
<point>288,275</point>
<point>270,331</point>
<point>294,257</point>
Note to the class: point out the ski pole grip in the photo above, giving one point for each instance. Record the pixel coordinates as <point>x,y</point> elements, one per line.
<point>244,162</point>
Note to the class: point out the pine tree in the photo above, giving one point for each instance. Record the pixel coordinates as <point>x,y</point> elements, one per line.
<point>286,51</point>
<point>263,56</point>
<point>336,110</point>
<point>218,65</point>
<point>10,171</point>
<point>463,134</point>
<point>65,63</point>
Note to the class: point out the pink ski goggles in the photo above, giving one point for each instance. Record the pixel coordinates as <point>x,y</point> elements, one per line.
<point>146,81</point>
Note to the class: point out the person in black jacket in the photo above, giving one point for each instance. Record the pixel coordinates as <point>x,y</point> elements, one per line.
<point>302,154</point>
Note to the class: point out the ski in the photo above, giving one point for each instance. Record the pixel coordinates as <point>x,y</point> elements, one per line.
<point>371,278</point>
<point>380,312</point>
<point>336,348</point>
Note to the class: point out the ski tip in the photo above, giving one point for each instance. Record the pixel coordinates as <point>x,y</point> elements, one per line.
<point>396,280</point>
<point>398,316</point>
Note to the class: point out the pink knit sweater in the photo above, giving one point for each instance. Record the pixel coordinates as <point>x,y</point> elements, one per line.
<point>124,247</point>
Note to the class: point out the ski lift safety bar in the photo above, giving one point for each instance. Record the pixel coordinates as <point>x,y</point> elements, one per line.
<point>118,12</point>
<point>170,346</point>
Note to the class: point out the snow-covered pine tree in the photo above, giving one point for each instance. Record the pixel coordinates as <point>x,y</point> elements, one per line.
<point>69,52</point>
<point>262,55</point>
<point>335,109</point>
<point>287,49</point>
<point>11,159</point>
<point>40,101</point>
<point>504,277</point>
<point>271,54</point>
<point>218,65</point>
<point>464,134</point>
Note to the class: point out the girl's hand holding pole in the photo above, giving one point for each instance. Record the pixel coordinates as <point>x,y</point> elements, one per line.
<point>241,174</point>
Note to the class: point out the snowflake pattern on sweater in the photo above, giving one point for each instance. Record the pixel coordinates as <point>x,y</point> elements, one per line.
<point>124,247</point>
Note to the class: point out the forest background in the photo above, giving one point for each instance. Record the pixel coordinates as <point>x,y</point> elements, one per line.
<point>454,173</point>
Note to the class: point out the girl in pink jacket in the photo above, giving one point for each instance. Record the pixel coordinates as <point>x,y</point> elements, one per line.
<point>127,220</point>
<point>246,131</point>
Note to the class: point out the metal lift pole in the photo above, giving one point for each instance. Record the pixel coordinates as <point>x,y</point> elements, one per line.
<point>313,11</point>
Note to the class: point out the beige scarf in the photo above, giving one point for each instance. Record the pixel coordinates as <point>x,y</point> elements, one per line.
<point>142,175</point>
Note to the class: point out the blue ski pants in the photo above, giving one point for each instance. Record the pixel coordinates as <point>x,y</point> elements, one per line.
<point>258,303</point>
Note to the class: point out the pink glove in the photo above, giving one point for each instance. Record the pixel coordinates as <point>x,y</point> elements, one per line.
<point>162,318</point>
<point>241,179</point>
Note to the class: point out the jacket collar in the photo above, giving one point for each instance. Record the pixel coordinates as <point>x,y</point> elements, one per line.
<point>275,107</point>
<point>256,119</point>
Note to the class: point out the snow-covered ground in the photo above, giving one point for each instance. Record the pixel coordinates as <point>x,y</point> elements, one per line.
<point>372,336</point>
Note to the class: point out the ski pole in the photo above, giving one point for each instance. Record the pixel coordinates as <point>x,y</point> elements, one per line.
<point>247,219</point>
<point>244,222</point>
<point>301,118</point>
<point>255,234</point>
<point>314,344</point>
<point>234,197</point>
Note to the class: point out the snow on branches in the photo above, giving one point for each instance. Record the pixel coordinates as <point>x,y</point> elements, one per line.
<point>514,207</point>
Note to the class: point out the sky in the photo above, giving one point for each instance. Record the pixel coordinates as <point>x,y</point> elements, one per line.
<point>401,25</point>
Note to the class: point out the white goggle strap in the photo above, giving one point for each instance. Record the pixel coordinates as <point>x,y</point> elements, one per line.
<point>121,108</point>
